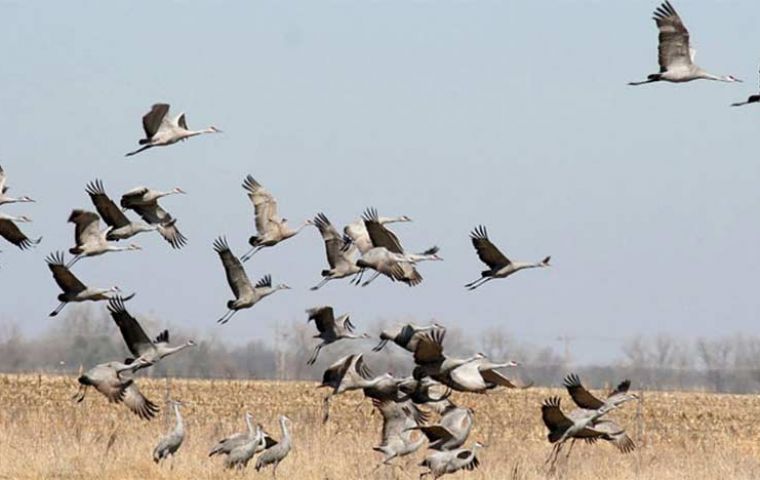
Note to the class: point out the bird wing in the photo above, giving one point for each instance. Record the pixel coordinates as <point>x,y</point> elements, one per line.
<point>435,432</point>
<point>3,179</point>
<point>411,334</point>
<point>622,388</point>
<point>264,205</point>
<point>334,243</point>
<point>495,378</point>
<point>171,233</point>
<point>236,276</point>
<point>152,120</point>
<point>673,39</point>
<point>361,368</point>
<point>153,213</point>
<point>552,415</point>
<point>133,197</point>
<point>182,120</point>
<point>467,377</point>
<point>379,234</point>
<point>582,397</point>
<point>162,337</point>
<point>136,401</point>
<point>334,373</point>
<point>487,251</point>
<point>106,381</point>
<point>616,435</point>
<point>265,281</point>
<point>429,348</point>
<point>10,231</point>
<point>111,214</point>
<point>87,225</point>
<point>323,317</point>
<point>394,418</point>
<point>66,280</point>
<point>134,336</point>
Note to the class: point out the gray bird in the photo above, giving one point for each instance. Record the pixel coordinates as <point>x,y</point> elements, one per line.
<point>430,360</point>
<point>331,329</point>
<point>241,454</point>
<point>170,443</point>
<point>340,252</point>
<point>4,198</point>
<point>397,439</point>
<point>106,378</point>
<point>440,463</point>
<point>120,227</point>
<point>406,336</point>
<point>452,428</point>
<point>276,453</point>
<point>227,444</point>
<point>144,202</point>
<point>161,129</point>
<point>10,231</point>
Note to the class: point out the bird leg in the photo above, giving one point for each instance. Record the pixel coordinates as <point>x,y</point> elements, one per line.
<point>570,449</point>
<point>226,317</point>
<point>374,276</point>
<point>58,309</point>
<point>138,150</point>
<point>380,345</point>
<point>320,284</point>
<point>326,409</point>
<point>477,283</point>
<point>81,391</point>
<point>358,277</point>
<point>313,358</point>
<point>250,253</point>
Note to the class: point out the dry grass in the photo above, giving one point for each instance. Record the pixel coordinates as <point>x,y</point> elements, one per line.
<point>44,435</point>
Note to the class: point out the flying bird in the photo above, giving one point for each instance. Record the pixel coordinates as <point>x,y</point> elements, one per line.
<point>330,329</point>
<point>162,130</point>
<point>144,201</point>
<point>90,240</point>
<point>106,378</point>
<point>499,266</point>
<point>676,57</point>
<point>246,295</point>
<point>120,227</point>
<point>399,420</point>
<point>73,289</point>
<point>340,252</point>
<point>10,231</point>
<point>440,463</point>
<point>4,198</point>
<point>754,98</point>
<point>271,229</point>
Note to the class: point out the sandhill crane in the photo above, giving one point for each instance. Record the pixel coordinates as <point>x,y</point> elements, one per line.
<point>106,379</point>
<point>387,252</point>
<point>10,231</point>
<point>227,444</point>
<point>331,329</point>
<point>90,240</point>
<point>148,351</point>
<point>440,463</point>
<point>271,229</point>
<point>499,266</point>
<point>586,400</point>
<point>357,232</point>
<point>144,202</point>
<point>170,443</point>
<point>406,336</point>
<point>340,252</point>
<point>452,428</point>
<point>579,425</point>
<point>162,130</point>
<point>754,98</point>
<point>4,198</point>
<point>239,456</point>
<point>479,376</point>
<point>431,361</point>
<point>397,438</point>
<point>347,373</point>
<point>676,57</point>
<point>419,391</point>
<point>246,295</point>
<point>73,289</point>
<point>121,227</point>
<point>276,453</point>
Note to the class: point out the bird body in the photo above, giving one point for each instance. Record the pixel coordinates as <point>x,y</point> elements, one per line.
<point>331,329</point>
<point>276,453</point>
<point>227,444</point>
<point>242,453</point>
<point>358,234</point>
<point>440,463</point>
<point>90,240</point>
<point>106,379</point>
<point>452,429</point>
<point>676,57</point>
<point>161,129</point>
<point>430,360</point>
<point>170,443</point>
<point>120,227</point>
<point>340,252</point>
<point>399,420</point>
<point>478,376</point>
<point>144,202</point>
<point>406,336</point>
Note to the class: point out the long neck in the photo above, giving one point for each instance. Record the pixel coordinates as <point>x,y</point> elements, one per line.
<point>285,432</point>
<point>384,220</point>
<point>180,425</point>
<point>251,430</point>
<point>709,76</point>
<point>170,350</point>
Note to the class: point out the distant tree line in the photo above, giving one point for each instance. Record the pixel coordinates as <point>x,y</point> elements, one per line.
<point>87,336</point>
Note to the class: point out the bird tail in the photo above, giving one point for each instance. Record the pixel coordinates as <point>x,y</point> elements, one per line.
<point>325,273</point>
<point>75,250</point>
<point>253,241</point>
<point>545,261</point>
<point>143,141</point>
<point>486,273</point>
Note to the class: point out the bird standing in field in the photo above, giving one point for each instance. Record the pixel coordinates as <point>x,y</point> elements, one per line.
<point>170,443</point>
<point>144,201</point>
<point>331,329</point>
<point>340,252</point>
<point>246,295</point>
<point>241,454</point>
<point>271,229</point>
<point>4,197</point>
<point>147,351</point>
<point>106,379</point>
<point>227,444</point>
<point>73,289</point>
<point>162,130</point>
<point>10,231</point>
<point>754,98</point>
<point>276,453</point>
<point>676,57</point>
<point>90,240</point>
<point>499,266</point>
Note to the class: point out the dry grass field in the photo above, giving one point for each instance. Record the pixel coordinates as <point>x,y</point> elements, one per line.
<point>43,434</point>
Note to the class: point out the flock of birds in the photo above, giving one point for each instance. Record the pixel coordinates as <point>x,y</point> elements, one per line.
<point>366,246</point>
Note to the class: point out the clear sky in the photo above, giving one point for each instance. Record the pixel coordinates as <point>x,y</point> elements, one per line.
<point>512,114</point>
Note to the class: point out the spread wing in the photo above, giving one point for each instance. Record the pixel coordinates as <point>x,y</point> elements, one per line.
<point>182,121</point>
<point>134,336</point>
<point>152,120</point>
<point>62,275</point>
<point>111,214</point>
<point>582,397</point>
<point>136,401</point>
<point>334,243</point>
<point>87,225</point>
<point>3,179</point>
<point>673,39</point>
<point>10,231</point>
<point>429,348</point>
<point>487,251</point>
<point>264,205</point>
<point>153,213</point>
<point>552,415</point>
<point>379,234</point>
<point>495,378</point>
<point>133,197</point>
<point>236,276</point>
<point>323,317</point>
<point>171,233</point>
<point>615,435</point>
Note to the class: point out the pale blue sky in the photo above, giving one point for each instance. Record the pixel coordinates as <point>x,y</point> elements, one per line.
<point>512,114</point>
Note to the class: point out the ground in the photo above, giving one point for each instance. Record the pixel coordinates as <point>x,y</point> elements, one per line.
<point>43,434</point>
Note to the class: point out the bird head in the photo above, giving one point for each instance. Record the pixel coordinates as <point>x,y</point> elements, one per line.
<point>405,218</point>
<point>213,129</point>
<point>26,199</point>
<point>512,363</point>
<point>23,219</point>
<point>178,190</point>
<point>134,246</point>
<point>190,343</point>
<point>732,79</point>
<point>283,286</point>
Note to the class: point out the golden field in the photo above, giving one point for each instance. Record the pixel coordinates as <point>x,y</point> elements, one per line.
<point>43,434</point>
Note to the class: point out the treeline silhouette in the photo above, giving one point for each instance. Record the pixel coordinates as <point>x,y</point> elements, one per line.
<point>86,336</point>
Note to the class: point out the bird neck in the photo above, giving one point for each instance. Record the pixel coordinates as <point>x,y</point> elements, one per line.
<point>251,430</point>
<point>285,432</point>
<point>178,416</point>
